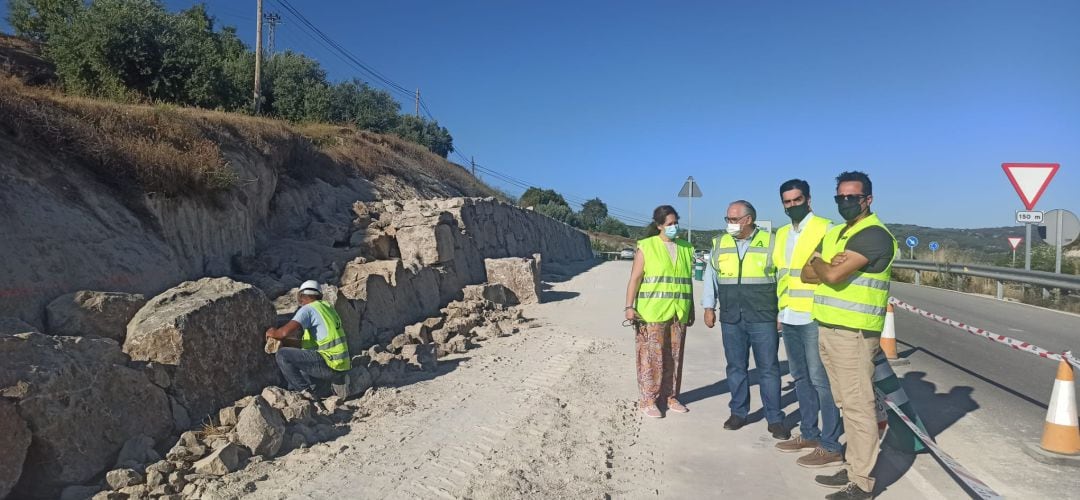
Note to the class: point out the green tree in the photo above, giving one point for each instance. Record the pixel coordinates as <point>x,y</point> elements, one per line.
<point>112,48</point>
<point>593,214</point>
<point>426,133</point>
<point>237,71</point>
<point>534,197</point>
<point>296,88</point>
<point>611,225</point>
<point>192,69</point>
<point>357,103</point>
<point>35,19</point>
<point>561,213</point>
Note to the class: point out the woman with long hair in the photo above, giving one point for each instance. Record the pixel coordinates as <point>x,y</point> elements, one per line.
<point>660,303</point>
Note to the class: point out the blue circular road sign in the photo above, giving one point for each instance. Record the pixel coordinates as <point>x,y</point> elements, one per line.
<point>912,241</point>
<point>934,246</point>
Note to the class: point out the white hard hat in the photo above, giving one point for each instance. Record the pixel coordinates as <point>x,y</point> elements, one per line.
<point>310,287</point>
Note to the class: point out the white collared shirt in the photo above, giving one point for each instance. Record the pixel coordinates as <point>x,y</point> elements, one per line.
<point>788,315</point>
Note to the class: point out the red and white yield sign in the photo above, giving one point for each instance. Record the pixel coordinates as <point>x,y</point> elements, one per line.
<point>1030,180</point>
<point>1014,241</point>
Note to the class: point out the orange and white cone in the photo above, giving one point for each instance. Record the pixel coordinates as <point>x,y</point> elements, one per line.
<point>1061,433</point>
<point>888,338</point>
<point>888,334</point>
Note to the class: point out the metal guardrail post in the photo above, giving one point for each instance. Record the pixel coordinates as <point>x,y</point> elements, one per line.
<point>918,277</point>
<point>1000,290</point>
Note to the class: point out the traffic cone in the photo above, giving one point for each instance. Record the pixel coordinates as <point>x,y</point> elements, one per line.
<point>898,435</point>
<point>888,338</point>
<point>1061,433</point>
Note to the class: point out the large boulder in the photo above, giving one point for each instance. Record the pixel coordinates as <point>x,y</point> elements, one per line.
<point>492,292</point>
<point>14,440</point>
<point>211,332</point>
<point>261,428</point>
<point>86,313</point>
<point>518,275</point>
<point>428,243</point>
<point>81,403</point>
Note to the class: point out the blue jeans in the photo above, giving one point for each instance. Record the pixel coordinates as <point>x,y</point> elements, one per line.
<point>739,338</point>
<point>302,367</point>
<point>812,386</point>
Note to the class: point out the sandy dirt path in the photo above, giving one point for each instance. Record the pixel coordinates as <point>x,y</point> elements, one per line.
<point>549,413</point>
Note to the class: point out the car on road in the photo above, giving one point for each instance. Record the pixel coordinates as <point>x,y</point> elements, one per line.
<point>626,253</point>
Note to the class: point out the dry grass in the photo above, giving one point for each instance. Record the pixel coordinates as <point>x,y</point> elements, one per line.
<point>154,148</point>
<point>175,151</point>
<point>377,154</point>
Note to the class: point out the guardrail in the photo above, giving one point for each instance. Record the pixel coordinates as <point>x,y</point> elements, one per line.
<point>999,274</point>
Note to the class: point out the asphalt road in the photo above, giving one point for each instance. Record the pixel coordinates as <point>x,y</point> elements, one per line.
<point>984,401</point>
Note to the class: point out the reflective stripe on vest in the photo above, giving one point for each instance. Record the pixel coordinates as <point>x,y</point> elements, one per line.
<point>334,348</point>
<point>755,266</point>
<point>792,292</point>
<point>667,290</point>
<point>859,302</point>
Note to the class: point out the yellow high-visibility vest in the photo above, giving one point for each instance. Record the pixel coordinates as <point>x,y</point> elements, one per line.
<point>791,291</point>
<point>667,289</point>
<point>755,268</point>
<point>335,347</point>
<point>859,302</point>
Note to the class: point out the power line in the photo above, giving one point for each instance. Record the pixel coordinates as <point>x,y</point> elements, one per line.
<point>340,50</point>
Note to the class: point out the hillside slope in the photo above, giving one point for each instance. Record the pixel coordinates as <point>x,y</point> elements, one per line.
<point>104,196</point>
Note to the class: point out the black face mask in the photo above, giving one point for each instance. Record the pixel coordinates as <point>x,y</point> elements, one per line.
<point>849,209</point>
<point>797,212</point>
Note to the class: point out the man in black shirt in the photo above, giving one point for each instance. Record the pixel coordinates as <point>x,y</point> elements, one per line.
<point>853,267</point>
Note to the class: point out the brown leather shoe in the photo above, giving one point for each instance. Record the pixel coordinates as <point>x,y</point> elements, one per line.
<point>820,457</point>
<point>797,444</point>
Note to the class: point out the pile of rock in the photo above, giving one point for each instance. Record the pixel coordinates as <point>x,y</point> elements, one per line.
<point>250,430</point>
<point>277,421</point>
<point>484,313</point>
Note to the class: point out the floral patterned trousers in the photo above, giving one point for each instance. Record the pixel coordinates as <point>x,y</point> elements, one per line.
<point>659,360</point>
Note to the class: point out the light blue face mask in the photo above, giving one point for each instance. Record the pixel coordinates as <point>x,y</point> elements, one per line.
<point>671,231</point>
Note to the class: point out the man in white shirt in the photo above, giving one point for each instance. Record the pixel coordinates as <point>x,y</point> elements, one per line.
<point>796,243</point>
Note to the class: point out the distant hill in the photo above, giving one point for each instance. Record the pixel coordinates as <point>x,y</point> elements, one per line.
<point>982,245</point>
<point>986,240</point>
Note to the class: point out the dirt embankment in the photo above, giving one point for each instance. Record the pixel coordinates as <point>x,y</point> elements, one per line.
<point>105,196</point>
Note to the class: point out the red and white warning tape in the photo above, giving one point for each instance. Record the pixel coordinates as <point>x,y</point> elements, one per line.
<point>978,487</point>
<point>1002,339</point>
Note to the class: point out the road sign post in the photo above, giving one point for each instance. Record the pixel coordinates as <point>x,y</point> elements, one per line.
<point>1014,241</point>
<point>933,249</point>
<point>1030,181</point>
<point>690,191</point>
<point>911,242</point>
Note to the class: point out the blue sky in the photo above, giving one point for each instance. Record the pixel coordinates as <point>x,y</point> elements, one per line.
<point>623,100</point>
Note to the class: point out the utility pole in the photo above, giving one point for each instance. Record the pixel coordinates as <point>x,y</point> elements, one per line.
<point>258,54</point>
<point>418,102</point>
<point>272,20</point>
<point>472,160</point>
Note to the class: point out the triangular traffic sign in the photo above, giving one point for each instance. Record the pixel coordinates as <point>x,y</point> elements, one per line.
<point>1030,180</point>
<point>1014,241</point>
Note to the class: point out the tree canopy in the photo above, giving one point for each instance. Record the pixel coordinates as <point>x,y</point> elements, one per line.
<point>135,50</point>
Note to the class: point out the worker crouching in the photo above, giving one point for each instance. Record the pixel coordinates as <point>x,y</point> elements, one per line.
<point>323,355</point>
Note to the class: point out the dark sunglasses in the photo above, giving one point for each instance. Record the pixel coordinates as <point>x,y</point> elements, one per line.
<point>848,197</point>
